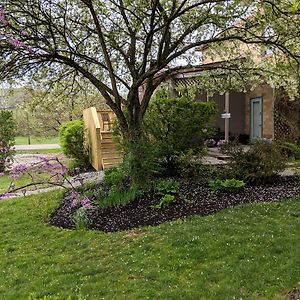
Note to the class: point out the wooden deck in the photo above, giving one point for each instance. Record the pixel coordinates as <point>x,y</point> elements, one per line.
<point>103,149</point>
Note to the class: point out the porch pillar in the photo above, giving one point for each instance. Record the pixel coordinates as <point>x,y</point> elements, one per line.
<point>226,110</point>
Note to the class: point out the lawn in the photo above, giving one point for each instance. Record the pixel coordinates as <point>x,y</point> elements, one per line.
<point>5,182</point>
<point>249,252</point>
<point>23,140</point>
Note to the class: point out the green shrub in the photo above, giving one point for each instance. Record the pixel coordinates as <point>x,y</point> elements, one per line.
<point>140,161</point>
<point>71,136</point>
<point>191,166</point>
<point>7,138</point>
<point>121,188</point>
<point>259,164</point>
<point>177,125</point>
<point>289,149</point>
<point>166,200</point>
<point>118,197</point>
<point>166,187</point>
<point>114,177</point>
<point>229,185</point>
<point>80,218</point>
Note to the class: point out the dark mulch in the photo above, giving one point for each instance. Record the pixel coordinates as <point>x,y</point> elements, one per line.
<point>294,294</point>
<point>197,200</point>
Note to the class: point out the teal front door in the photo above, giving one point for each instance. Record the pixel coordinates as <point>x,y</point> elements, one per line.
<point>256,118</point>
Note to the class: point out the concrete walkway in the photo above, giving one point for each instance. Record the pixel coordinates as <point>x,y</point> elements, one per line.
<point>37,147</point>
<point>76,181</point>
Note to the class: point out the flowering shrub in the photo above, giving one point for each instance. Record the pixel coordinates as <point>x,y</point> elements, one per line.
<point>46,171</point>
<point>7,139</point>
<point>76,199</point>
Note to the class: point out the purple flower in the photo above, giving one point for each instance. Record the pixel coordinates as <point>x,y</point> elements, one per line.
<point>24,33</point>
<point>2,174</point>
<point>75,198</point>
<point>18,171</point>
<point>85,202</point>
<point>3,20</point>
<point>221,142</point>
<point>16,43</point>
<point>7,195</point>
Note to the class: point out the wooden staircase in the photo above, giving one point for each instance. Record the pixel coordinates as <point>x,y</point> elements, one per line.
<point>111,156</point>
<point>103,149</point>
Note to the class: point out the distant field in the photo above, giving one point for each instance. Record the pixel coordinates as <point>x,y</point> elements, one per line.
<point>23,140</point>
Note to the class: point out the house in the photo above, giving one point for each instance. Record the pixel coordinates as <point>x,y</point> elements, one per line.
<point>240,114</point>
<point>246,115</point>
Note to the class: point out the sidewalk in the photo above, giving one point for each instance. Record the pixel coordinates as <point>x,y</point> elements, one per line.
<point>37,147</point>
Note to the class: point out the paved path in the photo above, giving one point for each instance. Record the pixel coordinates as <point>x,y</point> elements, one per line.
<point>76,181</point>
<point>37,147</point>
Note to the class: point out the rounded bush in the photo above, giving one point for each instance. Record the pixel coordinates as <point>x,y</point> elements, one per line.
<point>71,135</point>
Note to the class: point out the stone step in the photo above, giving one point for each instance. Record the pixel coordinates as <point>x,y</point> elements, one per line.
<point>214,152</point>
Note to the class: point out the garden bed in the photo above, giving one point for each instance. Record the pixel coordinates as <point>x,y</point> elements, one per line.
<point>195,199</point>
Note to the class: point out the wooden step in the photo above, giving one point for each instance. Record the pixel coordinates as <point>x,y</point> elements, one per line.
<point>112,154</point>
<point>113,160</point>
<point>110,165</point>
<point>107,136</point>
<point>106,146</point>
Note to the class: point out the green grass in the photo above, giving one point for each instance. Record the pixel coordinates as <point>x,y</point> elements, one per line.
<point>249,252</point>
<point>22,140</point>
<point>5,182</point>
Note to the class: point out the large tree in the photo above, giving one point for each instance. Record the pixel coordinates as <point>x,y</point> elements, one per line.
<point>48,108</point>
<point>128,47</point>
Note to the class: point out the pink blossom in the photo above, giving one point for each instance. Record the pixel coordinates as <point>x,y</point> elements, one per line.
<point>74,196</point>
<point>85,202</point>
<point>3,20</point>
<point>18,171</point>
<point>24,33</point>
<point>16,43</point>
<point>7,195</point>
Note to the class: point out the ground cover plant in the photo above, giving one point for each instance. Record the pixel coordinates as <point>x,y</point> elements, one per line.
<point>248,252</point>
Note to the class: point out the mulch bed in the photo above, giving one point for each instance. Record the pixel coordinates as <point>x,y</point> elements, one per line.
<point>197,200</point>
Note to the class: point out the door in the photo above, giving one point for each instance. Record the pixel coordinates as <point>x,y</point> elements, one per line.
<point>256,118</point>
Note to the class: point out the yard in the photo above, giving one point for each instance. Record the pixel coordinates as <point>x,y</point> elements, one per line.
<point>250,252</point>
